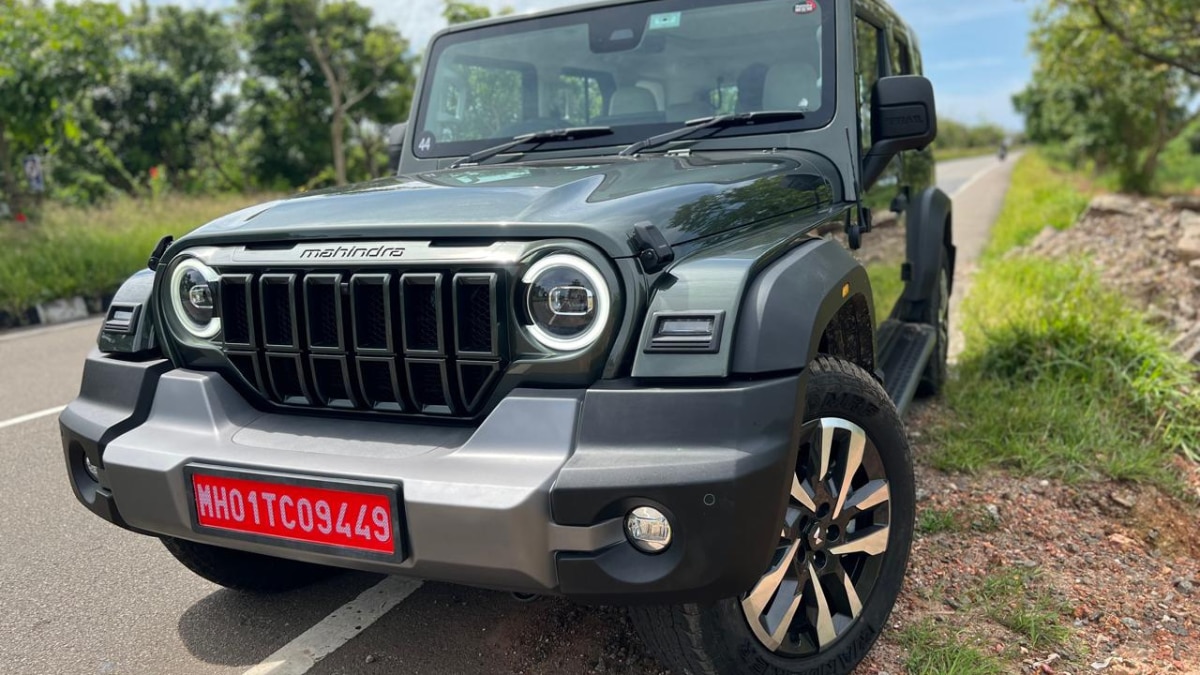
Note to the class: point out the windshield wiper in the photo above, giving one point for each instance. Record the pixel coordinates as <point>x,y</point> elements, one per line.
<point>717,123</point>
<point>537,138</point>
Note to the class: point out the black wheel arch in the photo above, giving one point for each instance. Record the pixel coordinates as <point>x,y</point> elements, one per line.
<point>815,300</point>
<point>930,236</point>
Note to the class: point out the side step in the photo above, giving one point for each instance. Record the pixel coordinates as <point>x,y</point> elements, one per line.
<point>904,351</point>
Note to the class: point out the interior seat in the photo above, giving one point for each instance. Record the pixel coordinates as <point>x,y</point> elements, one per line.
<point>632,101</point>
<point>792,87</point>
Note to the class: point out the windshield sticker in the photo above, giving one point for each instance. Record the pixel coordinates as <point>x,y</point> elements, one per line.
<point>425,143</point>
<point>666,20</point>
<point>806,7</point>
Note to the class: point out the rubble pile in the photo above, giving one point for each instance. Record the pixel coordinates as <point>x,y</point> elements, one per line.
<point>1148,250</point>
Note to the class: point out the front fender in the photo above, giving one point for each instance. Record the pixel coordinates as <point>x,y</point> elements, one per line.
<point>790,304</point>
<point>129,326</point>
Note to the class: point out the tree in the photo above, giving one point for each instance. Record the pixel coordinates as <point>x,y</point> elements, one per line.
<point>172,94</point>
<point>1103,102</point>
<point>1163,31</point>
<point>462,12</point>
<point>332,50</point>
<point>54,59</point>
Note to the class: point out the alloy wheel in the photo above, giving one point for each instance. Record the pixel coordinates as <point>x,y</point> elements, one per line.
<point>832,544</point>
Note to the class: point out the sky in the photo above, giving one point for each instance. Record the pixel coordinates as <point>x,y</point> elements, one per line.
<point>974,50</point>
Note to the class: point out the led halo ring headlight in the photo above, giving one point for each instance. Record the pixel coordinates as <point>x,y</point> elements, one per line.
<point>193,298</point>
<point>567,300</point>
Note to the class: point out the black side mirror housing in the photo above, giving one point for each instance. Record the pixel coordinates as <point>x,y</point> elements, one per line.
<point>395,144</point>
<point>903,117</point>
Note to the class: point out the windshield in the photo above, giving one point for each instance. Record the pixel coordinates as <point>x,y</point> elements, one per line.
<point>640,69</point>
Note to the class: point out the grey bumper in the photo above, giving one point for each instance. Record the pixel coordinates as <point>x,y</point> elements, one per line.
<point>532,500</point>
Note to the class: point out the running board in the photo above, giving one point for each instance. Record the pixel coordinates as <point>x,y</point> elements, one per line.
<point>904,351</point>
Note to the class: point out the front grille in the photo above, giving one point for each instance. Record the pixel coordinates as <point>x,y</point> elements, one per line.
<point>427,343</point>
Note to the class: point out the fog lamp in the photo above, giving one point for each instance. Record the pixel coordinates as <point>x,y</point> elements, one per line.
<point>91,468</point>
<point>648,529</point>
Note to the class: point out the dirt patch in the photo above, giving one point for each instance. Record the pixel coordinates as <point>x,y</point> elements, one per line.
<point>1051,578</point>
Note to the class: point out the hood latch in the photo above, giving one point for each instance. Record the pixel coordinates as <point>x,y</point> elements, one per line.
<point>653,250</point>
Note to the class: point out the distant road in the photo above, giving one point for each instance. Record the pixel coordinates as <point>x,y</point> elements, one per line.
<point>953,175</point>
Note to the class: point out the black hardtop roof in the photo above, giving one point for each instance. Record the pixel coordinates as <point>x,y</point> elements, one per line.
<point>879,10</point>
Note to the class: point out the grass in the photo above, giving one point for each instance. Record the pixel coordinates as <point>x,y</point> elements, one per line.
<point>1060,376</point>
<point>75,251</point>
<point>1041,195</point>
<point>887,285</point>
<point>1016,601</point>
<point>938,521</point>
<point>935,651</point>
<point>1180,170</point>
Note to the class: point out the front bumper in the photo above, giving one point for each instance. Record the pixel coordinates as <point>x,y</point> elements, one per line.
<point>532,500</point>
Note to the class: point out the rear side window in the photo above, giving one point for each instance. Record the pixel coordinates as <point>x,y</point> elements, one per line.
<point>868,40</point>
<point>901,57</point>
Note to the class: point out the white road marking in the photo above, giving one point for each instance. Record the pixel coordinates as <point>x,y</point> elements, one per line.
<point>32,416</point>
<point>980,176</point>
<point>21,334</point>
<point>335,630</point>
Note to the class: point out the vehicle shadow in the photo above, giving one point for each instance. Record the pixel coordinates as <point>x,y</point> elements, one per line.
<point>231,628</point>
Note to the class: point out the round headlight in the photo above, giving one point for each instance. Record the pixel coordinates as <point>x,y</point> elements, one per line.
<point>193,296</point>
<point>567,300</point>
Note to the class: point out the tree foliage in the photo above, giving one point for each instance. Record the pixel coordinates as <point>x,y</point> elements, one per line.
<point>1166,32</point>
<point>1101,100</point>
<point>274,94</point>
<point>54,58</point>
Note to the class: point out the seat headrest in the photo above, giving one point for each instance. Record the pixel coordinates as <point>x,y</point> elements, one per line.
<point>632,101</point>
<point>792,87</point>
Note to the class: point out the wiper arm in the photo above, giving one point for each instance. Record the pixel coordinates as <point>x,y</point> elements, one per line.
<point>717,123</point>
<point>537,138</point>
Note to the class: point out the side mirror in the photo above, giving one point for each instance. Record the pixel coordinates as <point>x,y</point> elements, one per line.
<point>395,144</point>
<point>903,117</point>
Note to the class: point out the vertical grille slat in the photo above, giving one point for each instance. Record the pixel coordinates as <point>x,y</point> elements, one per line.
<point>371,307</point>
<point>422,343</point>
<point>278,302</point>
<point>323,312</point>
<point>380,384</point>
<point>427,382</point>
<point>475,316</point>
<point>331,380</point>
<point>287,379</point>
<point>422,298</point>
<point>236,310</point>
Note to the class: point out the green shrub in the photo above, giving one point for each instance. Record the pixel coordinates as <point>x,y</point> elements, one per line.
<point>89,251</point>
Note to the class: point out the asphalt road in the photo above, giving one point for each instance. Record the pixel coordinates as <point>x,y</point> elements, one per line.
<point>81,596</point>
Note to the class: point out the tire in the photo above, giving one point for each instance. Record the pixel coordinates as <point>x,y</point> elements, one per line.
<point>247,572</point>
<point>933,379</point>
<point>719,639</point>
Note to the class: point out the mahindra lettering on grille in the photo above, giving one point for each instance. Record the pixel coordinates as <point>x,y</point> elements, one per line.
<point>425,343</point>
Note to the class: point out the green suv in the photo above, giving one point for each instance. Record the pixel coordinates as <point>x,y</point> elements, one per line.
<point>622,328</point>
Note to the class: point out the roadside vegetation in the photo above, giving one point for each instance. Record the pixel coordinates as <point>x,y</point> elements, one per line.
<point>1061,377</point>
<point>89,251</point>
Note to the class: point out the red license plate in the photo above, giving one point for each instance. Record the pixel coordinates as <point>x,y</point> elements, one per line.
<point>346,519</point>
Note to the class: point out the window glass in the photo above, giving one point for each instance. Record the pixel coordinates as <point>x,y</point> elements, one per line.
<point>867,39</point>
<point>901,63</point>
<point>581,98</point>
<point>640,68</point>
<point>478,96</point>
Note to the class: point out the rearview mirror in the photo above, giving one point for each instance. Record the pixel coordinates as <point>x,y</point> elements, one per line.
<point>395,144</point>
<point>903,117</point>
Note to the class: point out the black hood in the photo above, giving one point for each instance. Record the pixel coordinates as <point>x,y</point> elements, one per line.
<point>600,201</point>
